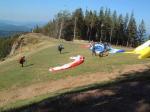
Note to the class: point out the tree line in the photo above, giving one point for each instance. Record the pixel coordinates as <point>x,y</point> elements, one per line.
<point>104,25</point>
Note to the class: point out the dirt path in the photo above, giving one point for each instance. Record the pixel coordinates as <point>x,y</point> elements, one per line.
<point>67,83</point>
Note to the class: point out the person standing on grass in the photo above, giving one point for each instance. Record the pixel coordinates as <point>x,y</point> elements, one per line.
<point>105,52</point>
<point>93,49</point>
<point>60,48</point>
<point>22,60</point>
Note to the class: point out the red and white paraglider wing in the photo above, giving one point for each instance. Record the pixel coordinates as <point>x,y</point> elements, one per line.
<point>77,61</point>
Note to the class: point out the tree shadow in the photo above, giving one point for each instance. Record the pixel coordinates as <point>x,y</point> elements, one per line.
<point>128,93</point>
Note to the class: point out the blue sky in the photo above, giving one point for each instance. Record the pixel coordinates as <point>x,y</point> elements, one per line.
<point>44,10</point>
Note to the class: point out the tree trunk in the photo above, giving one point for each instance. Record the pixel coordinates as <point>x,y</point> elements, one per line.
<point>57,31</point>
<point>105,37</point>
<point>87,34</point>
<point>90,36</point>
<point>60,31</point>
<point>75,25</point>
<point>117,43</point>
<point>101,36</point>
<point>110,35</point>
<point>127,42</point>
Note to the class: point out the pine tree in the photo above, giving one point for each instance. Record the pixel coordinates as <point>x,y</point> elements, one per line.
<point>132,32</point>
<point>126,21</point>
<point>115,27</point>
<point>89,21</point>
<point>93,25</point>
<point>108,25</point>
<point>64,19</point>
<point>141,32</point>
<point>37,29</point>
<point>101,15</point>
<point>78,16</point>
<point>104,25</point>
<point>100,24</point>
<point>120,30</point>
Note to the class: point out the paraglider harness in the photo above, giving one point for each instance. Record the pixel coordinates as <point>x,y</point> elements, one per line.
<point>60,48</point>
<point>105,52</point>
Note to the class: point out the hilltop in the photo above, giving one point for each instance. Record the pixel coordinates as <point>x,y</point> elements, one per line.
<point>28,42</point>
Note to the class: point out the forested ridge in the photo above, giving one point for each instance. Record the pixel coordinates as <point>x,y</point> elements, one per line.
<point>104,25</point>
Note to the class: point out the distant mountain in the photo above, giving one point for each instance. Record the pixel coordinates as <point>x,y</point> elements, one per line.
<point>9,33</point>
<point>32,25</point>
<point>27,24</point>
<point>8,28</point>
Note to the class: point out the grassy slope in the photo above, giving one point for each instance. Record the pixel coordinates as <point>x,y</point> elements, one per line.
<point>129,93</point>
<point>12,75</point>
<point>36,70</point>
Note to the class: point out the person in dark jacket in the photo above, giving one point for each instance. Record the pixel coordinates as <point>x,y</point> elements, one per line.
<point>60,48</point>
<point>105,52</point>
<point>22,60</point>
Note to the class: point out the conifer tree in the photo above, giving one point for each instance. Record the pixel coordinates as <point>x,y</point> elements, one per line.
<point>126,21</point>
<point>132,32</point>
<point>78,16</point>
<point>100,24</point>
<point>120,30</point>
<point>104,25</point>
<point>115,27</point>
<point>141,32</point>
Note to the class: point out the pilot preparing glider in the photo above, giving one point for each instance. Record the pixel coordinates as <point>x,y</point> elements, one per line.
<point>100,48</point>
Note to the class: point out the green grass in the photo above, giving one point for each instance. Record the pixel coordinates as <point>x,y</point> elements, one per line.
<point>12,75</point>
<point>27,104</point>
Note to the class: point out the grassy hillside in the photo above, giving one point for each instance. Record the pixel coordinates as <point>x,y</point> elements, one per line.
<point>13,76</point>
<point>36,68</point>
<point>127,94</point>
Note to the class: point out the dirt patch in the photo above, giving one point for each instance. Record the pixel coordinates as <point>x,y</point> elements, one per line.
<point>67,83</point>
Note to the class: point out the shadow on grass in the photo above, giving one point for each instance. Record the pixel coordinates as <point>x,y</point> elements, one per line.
<point>28,65</point>
<point>129,93</point>
<point>65,52</point>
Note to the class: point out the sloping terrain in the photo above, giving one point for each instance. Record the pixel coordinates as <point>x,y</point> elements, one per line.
<point>130,93</point>
<point>67,83</point>
<point>22,86</point>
